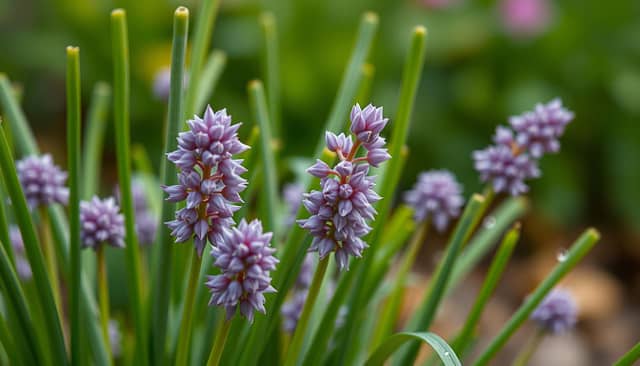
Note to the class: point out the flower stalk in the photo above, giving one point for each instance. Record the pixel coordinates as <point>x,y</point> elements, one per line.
<point>184,335</point>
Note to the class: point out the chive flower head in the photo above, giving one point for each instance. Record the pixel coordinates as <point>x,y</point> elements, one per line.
<point>436,196</point>
<point>557,313</point>
<point>42,181</point>
<point>209,179</point>
<point>101,222</point>
<point>340,209</point>
<point>245,259</point>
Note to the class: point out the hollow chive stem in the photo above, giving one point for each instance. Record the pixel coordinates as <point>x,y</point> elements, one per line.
<point>630,357</point>
<point>184,336</point>
<point>164,243</point>
<point>121,117</point>
<point>103,293</point>
<point>301,328</point>
<point>218,345</point>
<point>49,254</point>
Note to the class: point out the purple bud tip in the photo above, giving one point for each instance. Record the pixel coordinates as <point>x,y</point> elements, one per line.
<point>437,196</point>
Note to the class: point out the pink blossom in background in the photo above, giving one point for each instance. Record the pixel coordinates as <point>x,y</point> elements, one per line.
<point>525,18</point>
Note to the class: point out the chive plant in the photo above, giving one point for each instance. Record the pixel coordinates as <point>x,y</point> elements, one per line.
<point>253,292</point>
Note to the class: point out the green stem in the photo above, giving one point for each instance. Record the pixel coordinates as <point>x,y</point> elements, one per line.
<point>270,187</point>
<point>5,239</point>
<point>394,300</point>
<point>271,70</point>
<point>438,284</point>
<point>522,359</point>
<point>218,346</point>
<point>184,336</point>
<point>202,36</point>
<point>103,293</point>
<point>301,328</point>
<point>630,357</point>
<point>411,77</point>
<point>121,97</point>
<point>94,138</point>
<point>164,242</point>
<point>499,263</point>
<point>578,250</point>
<point>209,78</point>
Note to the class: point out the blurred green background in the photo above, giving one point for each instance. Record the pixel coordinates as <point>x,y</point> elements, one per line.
<point>486,60</point>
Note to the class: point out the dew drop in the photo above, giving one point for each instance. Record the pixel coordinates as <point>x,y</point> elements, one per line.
<point>562,255</point>
<point>446,353</point>
<point>489,222</point>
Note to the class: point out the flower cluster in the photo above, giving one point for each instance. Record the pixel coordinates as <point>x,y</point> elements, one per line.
<point>209,179</point>
<point>42,181</point>
<point>514,157</point>
<point>340,209</point>
<point>436,196</point>
<point>146,221</point>
<point>22,264</point>
<point>101,222</point>
<point>245,258</point>
<point>557,312</point>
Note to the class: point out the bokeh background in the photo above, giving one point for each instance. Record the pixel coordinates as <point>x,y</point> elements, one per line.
<point>486,60</point>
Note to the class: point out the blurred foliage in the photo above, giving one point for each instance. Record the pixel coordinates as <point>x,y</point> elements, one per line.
<point>477,74</point>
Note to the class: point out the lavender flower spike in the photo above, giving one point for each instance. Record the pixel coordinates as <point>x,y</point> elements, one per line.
<point>437,196</point>
<point>505,170</point>
<point>245,258</point>
<point>101,222</point>
<point>557,312</point>
<point>340,210</point>
<point>538,130</point>
<point>209,179</point>
<point>42,181</point>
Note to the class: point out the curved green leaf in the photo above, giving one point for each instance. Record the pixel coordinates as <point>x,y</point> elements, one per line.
<point>397,340</point>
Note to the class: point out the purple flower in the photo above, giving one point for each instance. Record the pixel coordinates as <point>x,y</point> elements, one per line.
<point>146,221</point>
<point>245,258</point>
<point>538,130</point>
<point>437,196</point>
<point>209,179</point>
<point>525,18</point>
<point>557,312</point>
<point>505,170</point>
<point>101,222</point>
<point>22,264</point>
<point>340,209</point>
<point>514,157</point>
<point>42,181</point>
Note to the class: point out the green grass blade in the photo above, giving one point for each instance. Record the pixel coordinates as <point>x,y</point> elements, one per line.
<point>389,179</point>
<point>258,104</point>
<point>505,215</point>
<point>23,217</point>
<point>630,357</point>
<point>164,243</point>
<point>271,70</point>
<point>202,37</point>
<point>578,250</point>
<point>5,239</point>
<point>73,165</point>
<point>393,343</point>
<point>364,92</point>
<point>433,297</point>
<point>121,96</point>
<point>499,263</point>
<point>14,298</point>
<point>209,79</point>
<point>94,139</point>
